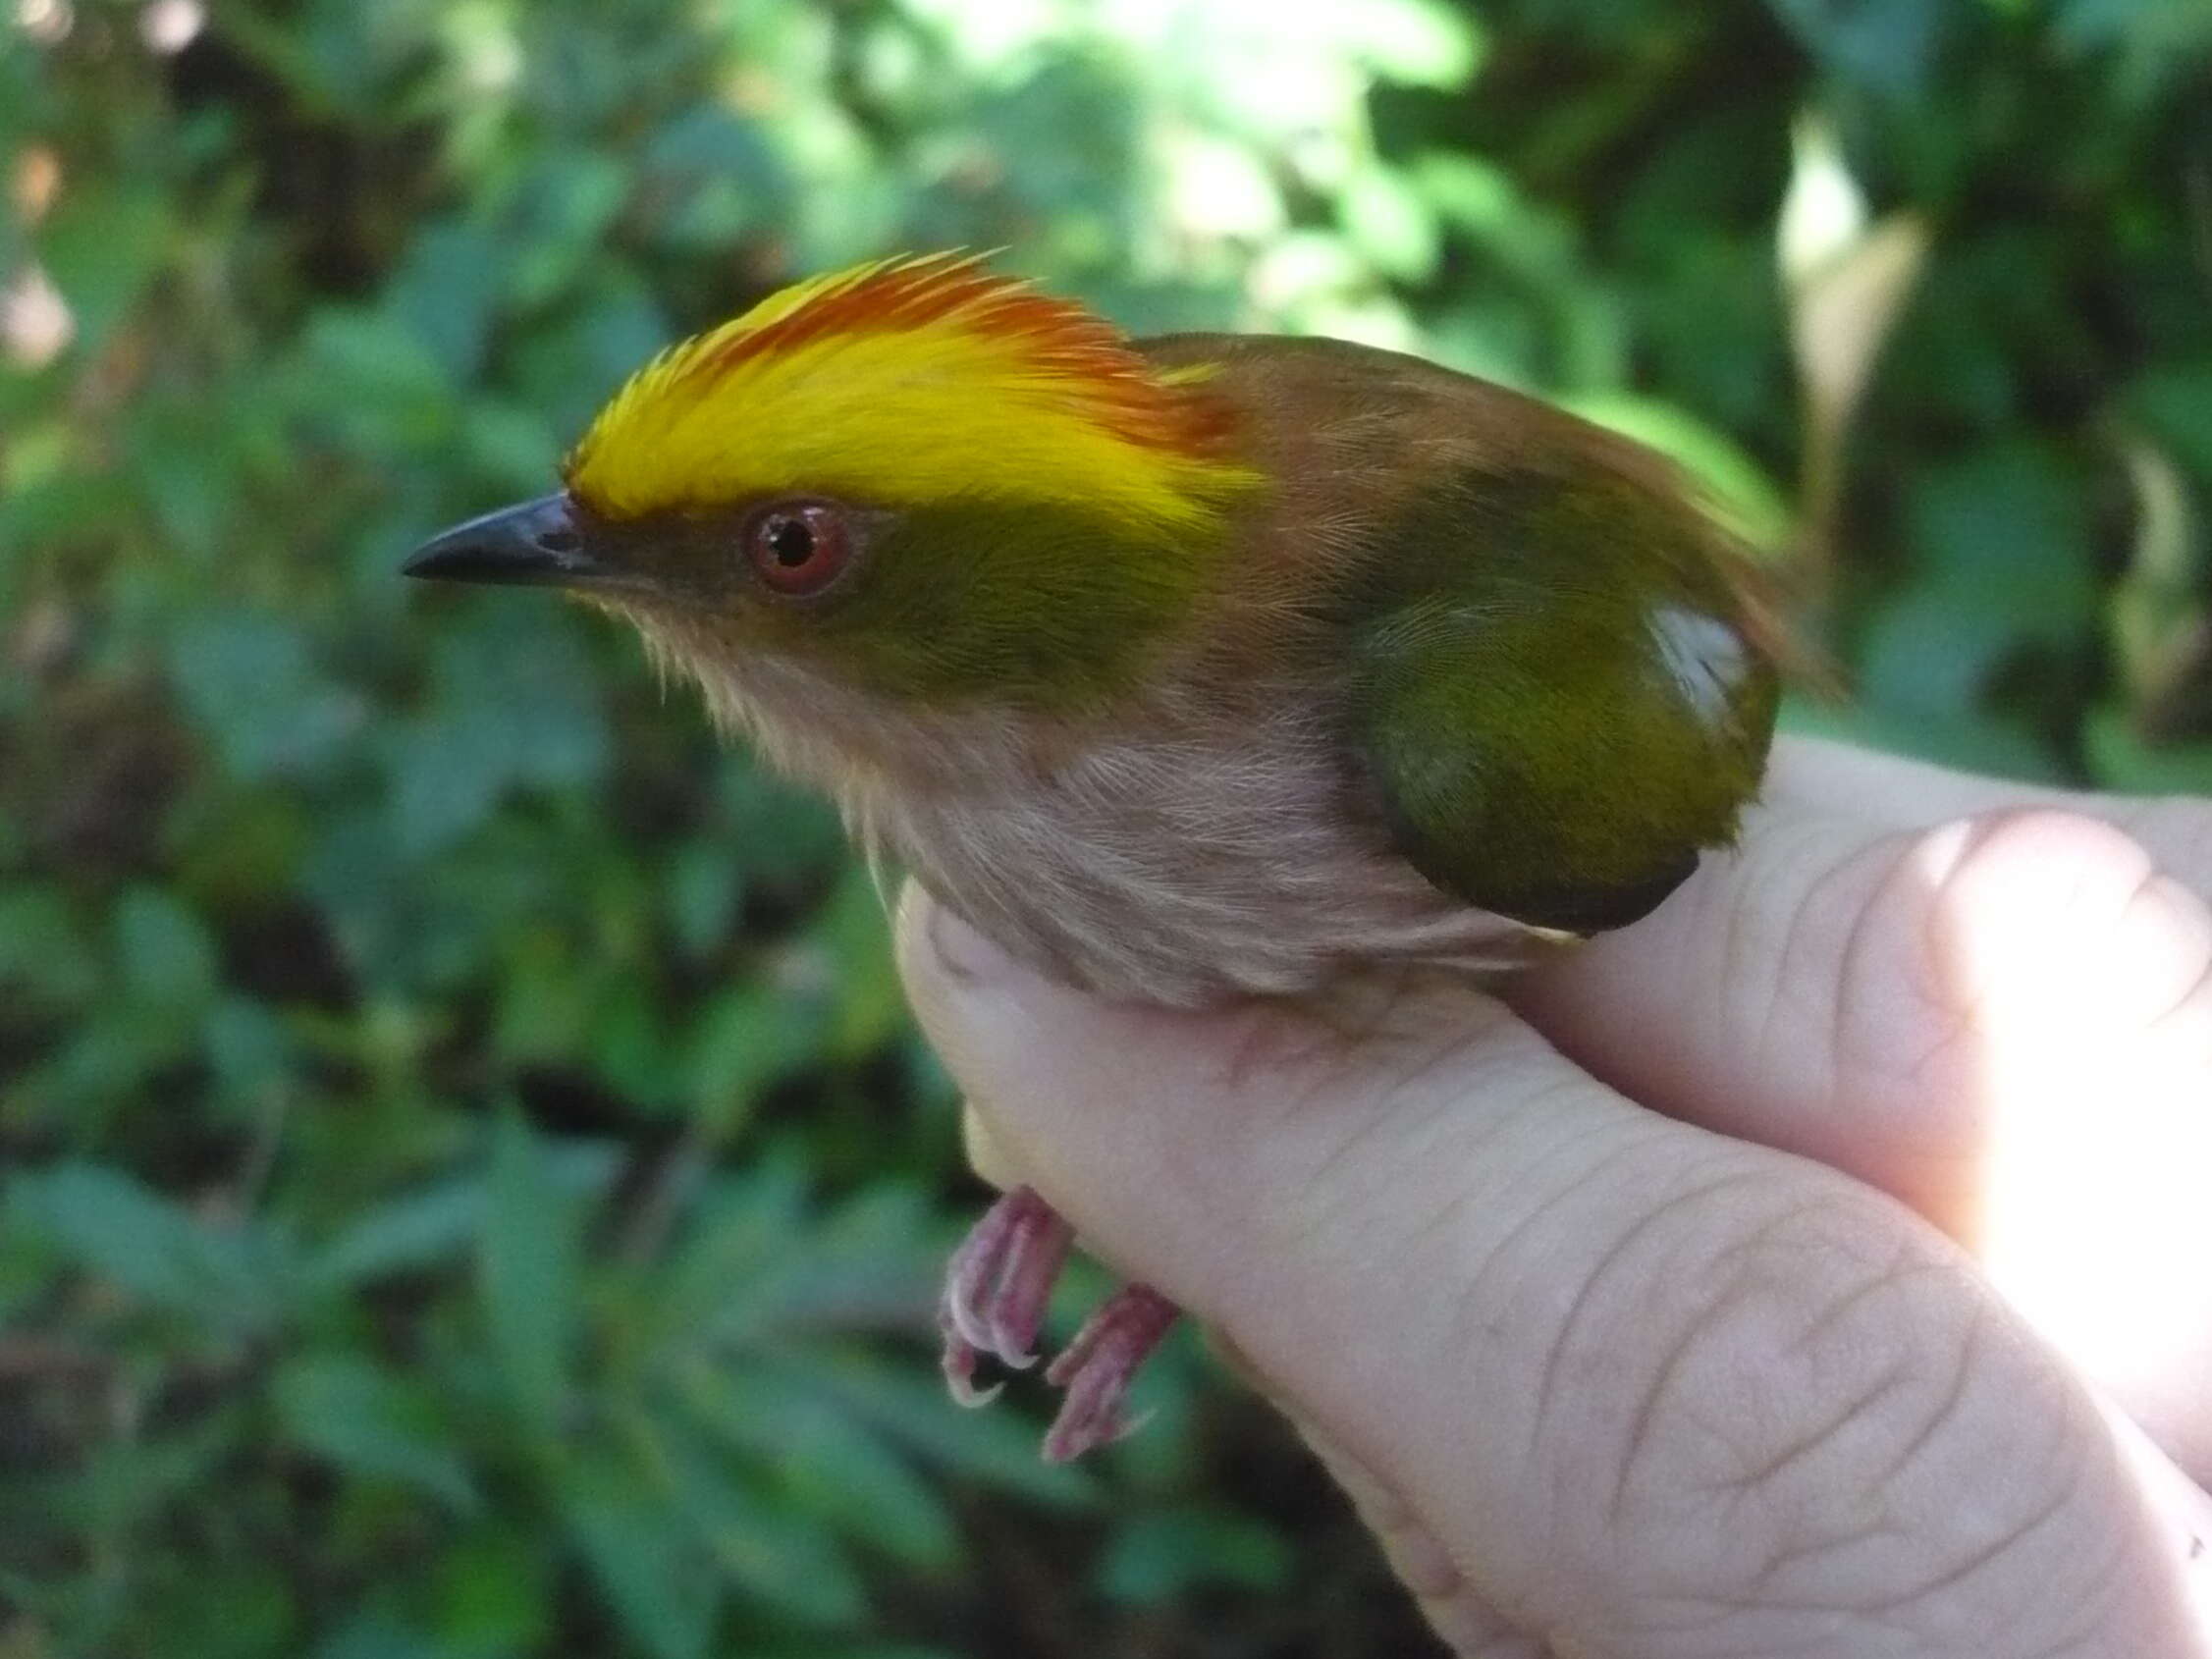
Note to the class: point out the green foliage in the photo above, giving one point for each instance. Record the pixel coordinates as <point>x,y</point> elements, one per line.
<point>466,1185</point>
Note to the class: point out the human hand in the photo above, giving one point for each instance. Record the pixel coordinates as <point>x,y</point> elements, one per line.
<point>1818,1268</point>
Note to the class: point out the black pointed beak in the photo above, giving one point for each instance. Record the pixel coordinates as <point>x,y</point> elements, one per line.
<point>537,542</point>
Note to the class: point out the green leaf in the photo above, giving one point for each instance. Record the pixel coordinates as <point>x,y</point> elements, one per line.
<point>854,933</point>
<point>515,705</point>
<point>248,680</point>
<point>444,291</point>
<point>251,1053</point>
<point>1391,222</point>
<point>377,1636</point>
<point>560,209</point>
<point>652,1567</point>
<point>411,1230</point>
<point>777,1557</point>
<point>1889,45</point>
<point>2005,540</point>
<point>2175,401</point>
<point>746,1039</point>
<point>1419,42</point>
<point>45,960</point>
<point>529,1270</point>
<point>102,246</point>
<point>495,1593</point>
<point>704,885</point>
<point>997,1447</point>
<point>167,955</point>
<point>369,377</point>
<point>2121,759</point>
<point>369,1423</point>
<point>737,1255</point>
<point>109,1223</point>
<point>234,1609</point>
<point>827,1458</point>
<point>1162,1556</point>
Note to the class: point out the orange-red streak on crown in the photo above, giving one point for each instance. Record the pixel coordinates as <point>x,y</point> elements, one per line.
<point>1065,343</point>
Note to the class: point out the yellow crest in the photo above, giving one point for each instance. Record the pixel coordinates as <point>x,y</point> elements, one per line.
<point>910,382</point>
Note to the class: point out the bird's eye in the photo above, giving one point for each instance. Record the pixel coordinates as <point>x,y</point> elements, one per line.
<point>800,548</point>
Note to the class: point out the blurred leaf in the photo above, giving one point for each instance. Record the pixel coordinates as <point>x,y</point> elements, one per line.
<point>530,1268</point>
<point>513,705</point>
<point>377,1636</point>
<point>367,1422</point>
<point>2175,401</point>
<point>827,1461</point>
<point>736,1252</point>
<point>854,933</point>
<point>656,1573</point>
<point>773,1554</point>
<point>106,1223</point>
<point>2122,761</point>
<point>1890,45</point>
<point>445,292</point>
<point>249,683</point>
<point>746,1039</point>
<point>2004,536</point>
<point>102,246</point>
<point>251,1053</point>
<point>368,377</point>
<point>1390,221</point>
<point>998,1447</point>
<point>411,1230</point>
<point>1157,1558</point>
<point>167,957</point>
<point>495,1593</point>
<point>705,883</point>
<point>244,1610</point>
<point>44,957</point>
<point>562,207</point>
<point>1421,42</point>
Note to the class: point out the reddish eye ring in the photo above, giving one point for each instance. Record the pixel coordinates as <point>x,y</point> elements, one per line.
<point>798,548</point>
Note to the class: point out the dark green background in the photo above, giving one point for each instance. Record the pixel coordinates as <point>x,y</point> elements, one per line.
<point>470,1189</point>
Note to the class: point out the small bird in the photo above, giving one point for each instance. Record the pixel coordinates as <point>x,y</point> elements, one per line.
<point>1187,668</point>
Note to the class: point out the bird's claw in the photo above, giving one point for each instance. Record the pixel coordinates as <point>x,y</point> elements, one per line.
<point>1098,1367</point>
<point>996,1288</point>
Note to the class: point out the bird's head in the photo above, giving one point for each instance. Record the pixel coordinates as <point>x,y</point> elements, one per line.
<point>913,483</point>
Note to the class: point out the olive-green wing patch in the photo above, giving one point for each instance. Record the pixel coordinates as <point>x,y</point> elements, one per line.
<point>1554,697</point>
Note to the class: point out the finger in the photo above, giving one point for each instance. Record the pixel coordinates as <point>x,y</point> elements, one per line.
<point>1814,777</point>
<point>1453,1606</point>
<point>1655,1392</point>
<point>2005,1021</point>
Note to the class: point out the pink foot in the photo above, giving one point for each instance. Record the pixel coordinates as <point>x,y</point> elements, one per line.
<point>997,1287</point>
<point>1097,1367</point>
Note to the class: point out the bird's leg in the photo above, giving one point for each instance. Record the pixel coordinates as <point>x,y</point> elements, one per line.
<point>1097,1367</point>
<point>997,1287</point>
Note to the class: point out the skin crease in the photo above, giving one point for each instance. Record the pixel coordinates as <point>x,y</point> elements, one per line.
<point>1656,1314</point>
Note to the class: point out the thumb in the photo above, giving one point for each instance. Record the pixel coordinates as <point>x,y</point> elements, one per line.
<point>1648,1390</point>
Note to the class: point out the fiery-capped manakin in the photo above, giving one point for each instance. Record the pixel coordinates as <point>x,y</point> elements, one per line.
<point>1187,668</point>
